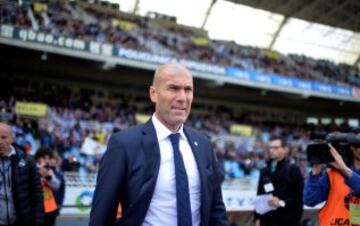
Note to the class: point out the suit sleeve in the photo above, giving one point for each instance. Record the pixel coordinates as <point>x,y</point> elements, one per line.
<point>110,182</point>
<point>217,212</point>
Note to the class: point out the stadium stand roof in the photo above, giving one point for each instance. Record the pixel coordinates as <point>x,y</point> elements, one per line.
<point>337,13</point>
<point>325,29</point>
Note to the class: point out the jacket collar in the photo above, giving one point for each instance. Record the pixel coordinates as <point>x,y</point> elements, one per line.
<point>11,153</point>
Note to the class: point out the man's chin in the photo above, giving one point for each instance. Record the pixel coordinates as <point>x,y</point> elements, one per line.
<point>179,120</point>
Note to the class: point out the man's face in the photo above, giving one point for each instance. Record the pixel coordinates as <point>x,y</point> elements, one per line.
<point>173,96</point>
<point>276,151</point>
<point>45,160</point>
<point>5,140</point>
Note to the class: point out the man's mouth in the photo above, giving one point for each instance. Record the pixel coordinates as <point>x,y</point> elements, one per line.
<point>179,109</point>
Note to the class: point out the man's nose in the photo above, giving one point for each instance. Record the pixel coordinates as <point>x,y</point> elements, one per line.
<point>181,95</point>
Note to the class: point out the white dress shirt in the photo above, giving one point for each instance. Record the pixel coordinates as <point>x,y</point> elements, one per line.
<point>162,210</point>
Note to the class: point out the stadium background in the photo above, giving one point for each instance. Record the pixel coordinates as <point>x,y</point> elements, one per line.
<point>68,82</point>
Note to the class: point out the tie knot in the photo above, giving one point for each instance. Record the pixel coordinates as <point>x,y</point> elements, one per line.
<point>174,138</point>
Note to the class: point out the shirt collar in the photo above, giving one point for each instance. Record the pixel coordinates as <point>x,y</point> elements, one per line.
<point>162,131</point>
<point>12,152</point>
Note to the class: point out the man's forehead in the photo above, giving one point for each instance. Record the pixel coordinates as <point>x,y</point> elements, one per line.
<point>275,141</point>
<point>178,81</point>
<point>5,129</point>
<point>172,71</point>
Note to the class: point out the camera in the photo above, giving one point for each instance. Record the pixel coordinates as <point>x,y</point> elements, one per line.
<point>47,166</point>
<point>318,151</point>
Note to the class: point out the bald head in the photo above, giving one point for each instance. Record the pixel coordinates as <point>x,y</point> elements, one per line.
<point>169,69</point>
<point>6,139</point>
<point>172,93</point>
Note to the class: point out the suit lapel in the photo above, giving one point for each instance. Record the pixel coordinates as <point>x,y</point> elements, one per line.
<point>196,148</point>
<point>200,158</point>
<point>150,146</point>
<point>151,150</point>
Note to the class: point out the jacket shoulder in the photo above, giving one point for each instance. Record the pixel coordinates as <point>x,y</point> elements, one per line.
<point>20,154</point>
<point>196,134</point>
<point>127,134</point>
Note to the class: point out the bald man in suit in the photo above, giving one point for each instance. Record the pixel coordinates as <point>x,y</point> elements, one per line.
<point>162,172</point>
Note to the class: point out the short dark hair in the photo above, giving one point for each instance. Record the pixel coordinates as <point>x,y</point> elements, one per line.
<point>43,152</point>
<point>281,138</point>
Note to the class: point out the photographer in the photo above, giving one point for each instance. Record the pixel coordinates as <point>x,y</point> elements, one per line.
<point>52,184</point>
<point>339,186</point>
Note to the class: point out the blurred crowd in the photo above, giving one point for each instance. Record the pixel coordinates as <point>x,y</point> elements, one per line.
<point>90,22</point>
<point>73,118</point>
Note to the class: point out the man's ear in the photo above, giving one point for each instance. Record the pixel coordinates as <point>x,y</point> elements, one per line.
<point>153,95</point>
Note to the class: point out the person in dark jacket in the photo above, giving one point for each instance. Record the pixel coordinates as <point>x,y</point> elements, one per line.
<point>53,185</point>
<point>285,182</point>
<point>21,196</point>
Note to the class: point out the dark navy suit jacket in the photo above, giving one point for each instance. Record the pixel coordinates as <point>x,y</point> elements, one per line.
<point>128,174</point>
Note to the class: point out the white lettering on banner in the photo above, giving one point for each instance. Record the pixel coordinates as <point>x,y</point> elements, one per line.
<point>30,35</point>
<point>263,78</point>
<point>95,47</point>
<point>41,37</point>
<point>49,39</point>
<point>304,85</point>
<point>79,44</point>
<point>103,49</point>
<point>213,69</point>
<point>107,49</point>
<point>285,82</point>
<point>69,42</point>
<point>61,41</point>
<point>343,91</point>
<point>7,31</point>
<point>242,74</point>
<point>325,88</point>
<point>23,35</point>
<point>147,57</point>
<point>204,67</point>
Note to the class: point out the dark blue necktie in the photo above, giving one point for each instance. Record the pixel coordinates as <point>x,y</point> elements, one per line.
<point>182,185</point>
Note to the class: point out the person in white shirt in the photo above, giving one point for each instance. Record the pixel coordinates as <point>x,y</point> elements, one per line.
<point>162,172</point>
